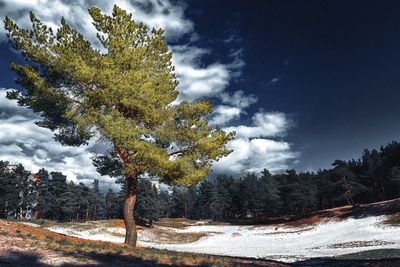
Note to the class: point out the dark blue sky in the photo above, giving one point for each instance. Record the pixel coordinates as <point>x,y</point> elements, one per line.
<point>332,66</point>
<point>338,65</point>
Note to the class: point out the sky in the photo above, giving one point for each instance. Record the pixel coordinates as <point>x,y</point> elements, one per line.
<point>301,82</point>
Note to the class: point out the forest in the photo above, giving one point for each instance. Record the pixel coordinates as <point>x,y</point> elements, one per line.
<point>375,176</point>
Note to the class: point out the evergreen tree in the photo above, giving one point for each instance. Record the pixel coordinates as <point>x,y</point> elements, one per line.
<point>96,201</point>
<point>59,185</point>
<point>7,190</point>
<point>147,208</point>
<point>44,205</point>
<point>207,197</point>
<point>68,203</point>
<point>225,190</point>
<point>25,192</point>
<point>165,203</point>
<point>83,194</point>
<point>111,205</point>
<point>348,184</point>
<point>192,203</point>
<point>123,93</point>
<point>179,200</point>
<point>252,195</point>
<point>271,198</point>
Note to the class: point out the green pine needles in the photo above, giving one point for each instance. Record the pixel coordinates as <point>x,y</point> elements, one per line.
<point>122,92</point>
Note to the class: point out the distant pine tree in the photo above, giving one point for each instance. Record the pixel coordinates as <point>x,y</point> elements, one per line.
<point>111,205</point>
<point>147,208</point>
<point>59,188</point>
<point>44,205</point>
<point>96,201</point>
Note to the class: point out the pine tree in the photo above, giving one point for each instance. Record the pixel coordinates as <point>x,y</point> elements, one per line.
<point>252,195</point>
<point>83,194</point>
<point>122,93</point>
<point>6,189</point>
<point>44,194</point>
<point>147,205</point>
<point>25,192</point>
<point>179,200</point>
<point>96,201</point>
<point>59,187</point>
<point>68,202</point>
<point>207,197</point>
<point>271,198</point>
<point>348,184</point>
<point>165,204</point>
<point>111,205</point>
<point>192,204</point>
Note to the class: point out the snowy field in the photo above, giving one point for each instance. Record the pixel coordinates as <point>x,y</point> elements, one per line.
<point>277,242</point>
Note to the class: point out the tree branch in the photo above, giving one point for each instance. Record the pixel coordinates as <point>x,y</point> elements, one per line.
<point>174,153</point>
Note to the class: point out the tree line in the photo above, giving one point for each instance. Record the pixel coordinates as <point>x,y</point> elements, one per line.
<point>375,176</point>
<point>48,195</point>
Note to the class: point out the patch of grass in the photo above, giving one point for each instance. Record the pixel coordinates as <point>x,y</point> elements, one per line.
<point>64,242</point>
<point>359,244</point>
<point>46,223</point>
<point>393,220</point>
<point>172,237</point>
<point>180,222</point>
<point>49,238</point>
<point>289,232</point>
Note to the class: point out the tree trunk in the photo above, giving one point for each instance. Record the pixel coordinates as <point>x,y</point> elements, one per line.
<point>129,205</point>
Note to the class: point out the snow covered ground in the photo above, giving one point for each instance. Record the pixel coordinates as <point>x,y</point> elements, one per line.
<point>272,242</point>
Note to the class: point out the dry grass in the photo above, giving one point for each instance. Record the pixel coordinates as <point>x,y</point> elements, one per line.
<point>359,244</point>
<point>393,220</point>
<point>289,232</point>
<point>178,222</point>
<point>171,237</point>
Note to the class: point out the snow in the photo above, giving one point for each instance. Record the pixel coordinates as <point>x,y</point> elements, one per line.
<point>110,234</point>
<point>274,242</point>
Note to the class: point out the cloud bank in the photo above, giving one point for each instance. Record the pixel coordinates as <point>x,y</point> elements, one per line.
<point>22,141</point>
<point>255,147</point>
<point>255,150</point>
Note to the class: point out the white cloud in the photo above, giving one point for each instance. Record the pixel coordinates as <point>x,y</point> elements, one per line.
<point>238,99</point>
<point>195,80</point>
<point>264,124</point>
<point>22,141</point>
<point>223,114</point>
<point>253,150</point>
<point>255,155</point>
<point>152,12</point>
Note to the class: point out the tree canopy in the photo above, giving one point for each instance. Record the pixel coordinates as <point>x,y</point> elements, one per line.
<point>121,92</point>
